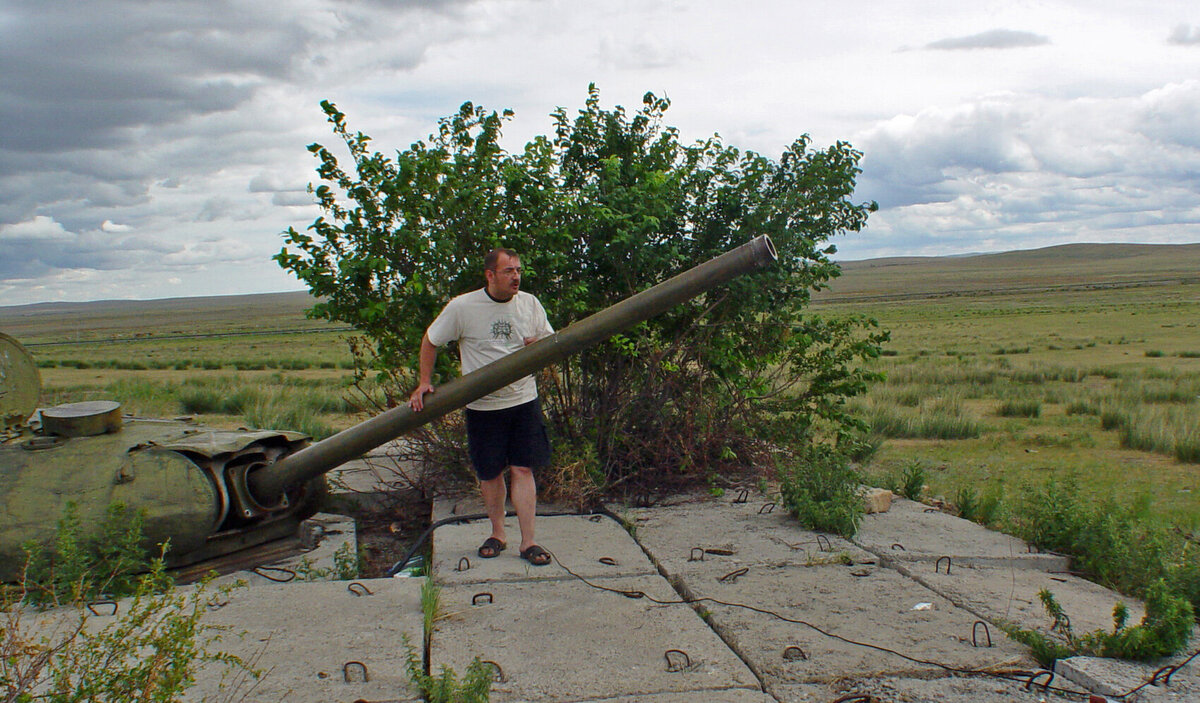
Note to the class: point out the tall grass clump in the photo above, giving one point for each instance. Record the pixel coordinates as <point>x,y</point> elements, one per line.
<point>934,423</point>
<point>277,412</point>
<point>1170,430</point>
<point>1020,408</point>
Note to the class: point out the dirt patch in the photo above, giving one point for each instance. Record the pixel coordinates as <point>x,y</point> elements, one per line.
<point>387,531</point>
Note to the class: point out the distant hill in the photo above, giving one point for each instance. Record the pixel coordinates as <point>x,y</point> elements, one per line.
<point>168,317</point>
<point>1063,266</point>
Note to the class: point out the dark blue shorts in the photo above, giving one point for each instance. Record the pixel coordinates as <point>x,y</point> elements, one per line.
<point>513,436</point>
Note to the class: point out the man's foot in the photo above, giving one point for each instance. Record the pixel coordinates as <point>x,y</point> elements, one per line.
<point>491,547</point>
<point>535,555</point>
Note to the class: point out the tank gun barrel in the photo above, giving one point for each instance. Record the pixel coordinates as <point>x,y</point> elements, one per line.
<point>269,482</point>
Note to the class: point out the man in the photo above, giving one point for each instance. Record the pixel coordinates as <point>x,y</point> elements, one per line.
<point>505,428</point>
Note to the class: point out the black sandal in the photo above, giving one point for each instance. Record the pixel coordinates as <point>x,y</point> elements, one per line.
<point>491,547</point>
<point>536,555</point>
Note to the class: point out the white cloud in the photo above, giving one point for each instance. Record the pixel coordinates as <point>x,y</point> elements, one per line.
<point>110,226</point>
<point>991,39</point>
<point>1184,34</point>
<point>40,229</point>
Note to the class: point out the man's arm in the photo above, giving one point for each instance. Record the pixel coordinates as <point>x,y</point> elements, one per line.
<point>541,323</point>
<point>424,375</point>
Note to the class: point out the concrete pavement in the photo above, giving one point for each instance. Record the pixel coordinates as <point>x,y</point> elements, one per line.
<point>705,599</point>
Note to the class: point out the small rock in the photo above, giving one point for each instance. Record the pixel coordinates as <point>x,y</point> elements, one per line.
<point>876,500</point>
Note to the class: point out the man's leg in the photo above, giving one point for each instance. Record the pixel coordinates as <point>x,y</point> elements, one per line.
<point>524,498</point>
<point>494,493</point>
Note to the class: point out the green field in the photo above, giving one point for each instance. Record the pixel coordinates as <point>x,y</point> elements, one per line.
<point>1004,370</point>
<point>1010,369</point>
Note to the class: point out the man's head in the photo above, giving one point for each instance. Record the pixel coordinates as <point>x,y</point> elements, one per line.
<point>502,268</point>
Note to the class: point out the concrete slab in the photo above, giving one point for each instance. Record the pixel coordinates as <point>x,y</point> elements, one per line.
<point>334,539</point>
<point>471,503</point>
<point>303,635</point>
<point>567,641</point>
<point>950,689</point>
<point>881,608</point>
<point>733,695</point>
<point>578,542</point>
<point>1011,595</point>
<point>367,483</point>
<point>735,534</point>
<point>1114,677</point>
<point>912,531</point>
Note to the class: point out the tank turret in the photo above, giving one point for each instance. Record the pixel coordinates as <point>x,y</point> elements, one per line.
<point>180,474</point>
<point>213,491</point>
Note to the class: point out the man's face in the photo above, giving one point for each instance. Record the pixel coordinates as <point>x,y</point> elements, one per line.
<point>504,281</point>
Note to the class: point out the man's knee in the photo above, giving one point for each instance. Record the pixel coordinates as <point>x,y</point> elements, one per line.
<point>521,471</point>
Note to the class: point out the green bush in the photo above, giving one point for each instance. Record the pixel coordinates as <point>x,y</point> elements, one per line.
<point>820,489</point>
<point>1115,544</point>
<point>609,202</point>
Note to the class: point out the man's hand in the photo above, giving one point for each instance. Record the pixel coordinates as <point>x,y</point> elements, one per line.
<point>416,401</point>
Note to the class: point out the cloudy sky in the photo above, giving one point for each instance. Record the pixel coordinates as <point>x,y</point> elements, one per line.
<point>156,148</point>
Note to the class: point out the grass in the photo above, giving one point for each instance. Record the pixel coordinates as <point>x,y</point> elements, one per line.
<point>315,402</point>
<point>1080,402</point>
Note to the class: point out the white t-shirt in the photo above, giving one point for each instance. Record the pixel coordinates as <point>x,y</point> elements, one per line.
<point>486,331</point>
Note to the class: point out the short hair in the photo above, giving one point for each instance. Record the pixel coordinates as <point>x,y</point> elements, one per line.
<point>493,257</point>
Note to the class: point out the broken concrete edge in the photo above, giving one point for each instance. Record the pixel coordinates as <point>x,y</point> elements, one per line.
<point>1119,677</point>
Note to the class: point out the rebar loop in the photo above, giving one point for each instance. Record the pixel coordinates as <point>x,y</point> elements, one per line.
<point>674,667</point>
<point>346,671</point>
<point>986,631</point>
<point>359,589</point>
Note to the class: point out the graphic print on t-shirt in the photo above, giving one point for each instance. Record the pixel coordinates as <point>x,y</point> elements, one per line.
<point>501,328</point>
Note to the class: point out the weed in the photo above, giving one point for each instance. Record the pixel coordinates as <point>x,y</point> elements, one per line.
<point>151,652</point>
<point>346,565</point>
<point>967,502</point>
<point>76,568</point>
<point>1154,353</point>
<point>475,686</point>
<point>912,479</point>
<point>983,509</point>
<point>1115,544</point>
<point>1164,631</point>
<point>821,490</point>
<point>431,605</point>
